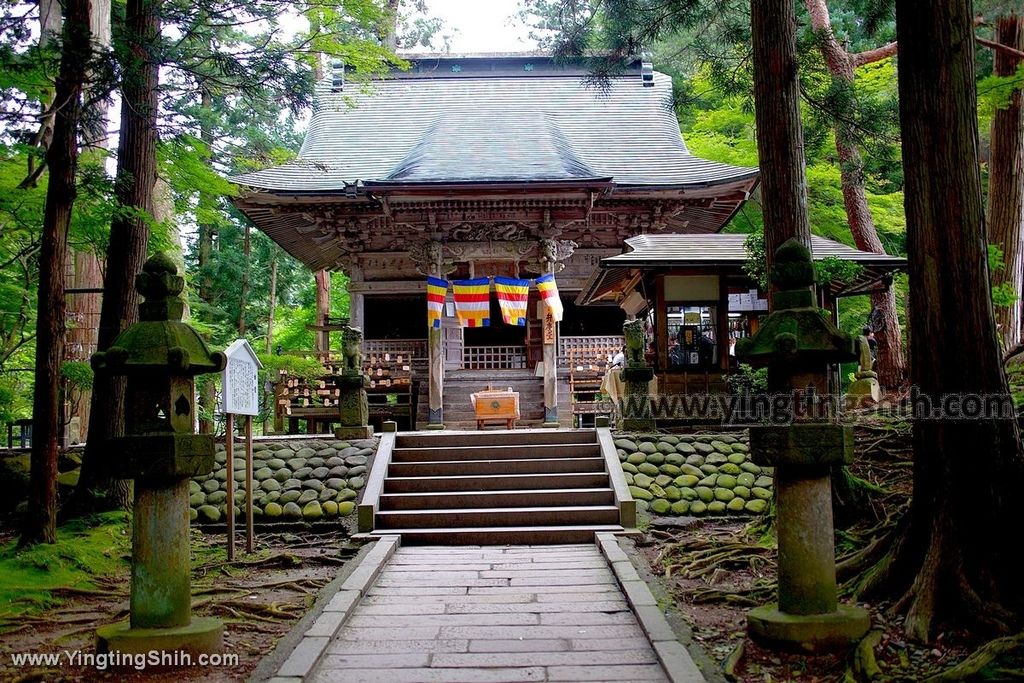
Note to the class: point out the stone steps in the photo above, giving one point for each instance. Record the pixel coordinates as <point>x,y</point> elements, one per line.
<point>483,487</point>
<point>500,498</point>
<point>473,452</point>
<point>479,438</point>
<point>434,468</point>
<point>523,535</point>
<point>494,482</point>
<point>498,517</point>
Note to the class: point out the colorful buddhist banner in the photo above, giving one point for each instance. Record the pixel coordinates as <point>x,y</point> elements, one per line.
<point>473,301</point>
<point>437,290</point>
<point>549,295</point>
<point>512,297</point>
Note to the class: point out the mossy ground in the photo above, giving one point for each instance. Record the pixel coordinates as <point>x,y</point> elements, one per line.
<point>86,550</point>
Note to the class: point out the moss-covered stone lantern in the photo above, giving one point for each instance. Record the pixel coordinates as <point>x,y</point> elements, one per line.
<point>160,356</point>
<point>797,343</point>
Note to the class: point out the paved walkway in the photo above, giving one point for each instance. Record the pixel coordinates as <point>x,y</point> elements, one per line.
<point>492,613</point>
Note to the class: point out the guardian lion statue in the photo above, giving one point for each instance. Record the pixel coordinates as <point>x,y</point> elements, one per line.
<point>352,351</point>
<point>633,330</point>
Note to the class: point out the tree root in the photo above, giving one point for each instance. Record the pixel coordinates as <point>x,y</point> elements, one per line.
<point>979,659</point>
<point>275,560</point>
<point>865,666</point>
<point>733,661</point>
<point>761,592</point>
<point>272,614</point>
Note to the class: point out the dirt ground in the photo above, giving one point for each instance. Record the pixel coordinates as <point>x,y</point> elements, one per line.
<point>259,597</point>
<point>715,570</point>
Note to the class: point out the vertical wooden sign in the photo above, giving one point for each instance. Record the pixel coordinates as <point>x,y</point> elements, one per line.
<point>240,387</point>
<point>549,326</point>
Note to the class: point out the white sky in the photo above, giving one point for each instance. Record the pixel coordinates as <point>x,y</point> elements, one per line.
<point>481,25</point>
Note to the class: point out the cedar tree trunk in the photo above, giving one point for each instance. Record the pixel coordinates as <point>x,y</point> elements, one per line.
<point>952,564</point>
<point>129,241</point>
<point>841,64</point>
<point>247,253</point>
<point>780,143</point>
<point>1006,182</point>
<point>273,300</point>
<point>40,525</point>
<point>207,232</point>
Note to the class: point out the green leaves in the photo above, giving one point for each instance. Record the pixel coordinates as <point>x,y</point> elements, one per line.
<point>837,271</point>
<point>1004,294</point>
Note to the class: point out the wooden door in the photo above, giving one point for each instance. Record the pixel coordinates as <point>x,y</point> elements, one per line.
<point>534,331</point>
<point>451,339</point>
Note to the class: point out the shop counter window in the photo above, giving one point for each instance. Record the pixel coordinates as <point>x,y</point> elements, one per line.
<point>693,341</point>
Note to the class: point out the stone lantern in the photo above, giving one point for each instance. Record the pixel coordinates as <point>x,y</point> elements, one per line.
<point>797,343</point>
<point>160,357</point>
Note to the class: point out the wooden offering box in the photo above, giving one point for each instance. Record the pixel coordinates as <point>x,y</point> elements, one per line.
<point>496,406</point>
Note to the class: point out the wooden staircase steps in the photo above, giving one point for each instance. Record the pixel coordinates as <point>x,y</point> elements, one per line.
<point>508,487</point>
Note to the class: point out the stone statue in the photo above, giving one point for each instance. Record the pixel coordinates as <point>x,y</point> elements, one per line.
<point>633,330</point>
<point>353,405</point>
<point>352,350</point>
<point>865,390</point>
<point>865,361</point>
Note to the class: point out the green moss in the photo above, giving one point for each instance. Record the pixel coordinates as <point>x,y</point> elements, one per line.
<point>85,551</point>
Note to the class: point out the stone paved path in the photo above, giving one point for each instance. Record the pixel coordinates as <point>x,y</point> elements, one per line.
<point>492,613</point>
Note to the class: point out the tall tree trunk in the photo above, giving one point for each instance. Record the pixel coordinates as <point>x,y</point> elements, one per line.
<point>96,114</point>
<point>243,295</point>
<point>951,563</point>
<point>389,32</point>
<point>129,242</point>
<point>1006,183</point>
<point>40,525</point>
<point>891,362</point>
<point>273,300</point>
<point>323,307</point>
<point>49,29</point>
<point>85,269</point>
<point>84,272</point>
<point>780,141</point>
<point>207,232</point>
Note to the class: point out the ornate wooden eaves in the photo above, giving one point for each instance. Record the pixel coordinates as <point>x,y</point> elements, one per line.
<point>328,231</point>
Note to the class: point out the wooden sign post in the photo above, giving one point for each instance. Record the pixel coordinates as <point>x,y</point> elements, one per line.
<point>240,387</point>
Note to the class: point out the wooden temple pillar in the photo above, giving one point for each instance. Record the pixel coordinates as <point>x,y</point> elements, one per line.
<point>435,355</point>
<point>549,330</point>
<point>551,254</point>
<point>356,301</point>
<point>429,259</point>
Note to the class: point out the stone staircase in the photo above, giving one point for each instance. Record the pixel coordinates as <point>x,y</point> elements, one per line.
<point>496,487</point>
<point>459,384</point>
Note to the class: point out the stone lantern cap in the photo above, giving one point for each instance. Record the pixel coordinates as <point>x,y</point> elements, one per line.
<point>160,342</point>
<point>796,331</point>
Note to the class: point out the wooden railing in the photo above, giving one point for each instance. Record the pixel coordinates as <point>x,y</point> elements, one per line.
<point>408,348</point>
<point>494,357</point>
<point>390,365</point>
<point>589,351</point>
<point>587,359</point>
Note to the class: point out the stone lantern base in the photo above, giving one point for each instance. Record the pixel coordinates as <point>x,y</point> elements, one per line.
<point>637,415</point>
<point>810,633</point>
<point>202,635</point>
<point>353,409</point>
<point>864,392</point>
<point>353,432</point>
